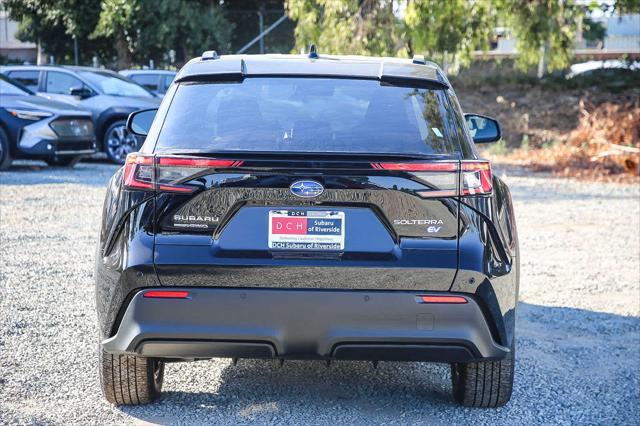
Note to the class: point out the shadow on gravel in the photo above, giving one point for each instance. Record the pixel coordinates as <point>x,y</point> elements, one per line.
<point>572,364</point>
<point>37,173</point>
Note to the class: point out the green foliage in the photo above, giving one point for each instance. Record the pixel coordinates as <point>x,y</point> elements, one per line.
<point>593,31</point>
<point>55,22</point>
<point>627,6</point>
<point>545,29</point>
<point>454,27</point>
<point>348,26</point>
<point>148,29</point>
<point>448,31</point>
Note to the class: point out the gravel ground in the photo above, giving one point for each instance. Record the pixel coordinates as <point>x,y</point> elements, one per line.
<point>578,323</point>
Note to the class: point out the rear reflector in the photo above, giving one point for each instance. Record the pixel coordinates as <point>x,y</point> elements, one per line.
<point>443,299</point>
<point>168,173</point>
<point>166,294</point>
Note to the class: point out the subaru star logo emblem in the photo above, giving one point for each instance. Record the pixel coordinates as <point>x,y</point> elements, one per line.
<point>306,188</point>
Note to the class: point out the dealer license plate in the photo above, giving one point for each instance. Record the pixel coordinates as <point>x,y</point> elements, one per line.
<point>306,230</point>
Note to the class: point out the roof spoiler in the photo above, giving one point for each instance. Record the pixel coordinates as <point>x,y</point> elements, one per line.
<point>390,73</point>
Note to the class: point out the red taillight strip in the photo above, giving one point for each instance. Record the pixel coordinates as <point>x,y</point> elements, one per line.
<point>443,299</point>
<point>135,160</point>
<point>197,162</point>
<point>417,167</point>
<point>166,294</point>
<point>476,165</point>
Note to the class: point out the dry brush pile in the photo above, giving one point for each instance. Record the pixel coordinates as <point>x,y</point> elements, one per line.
<point>604,145</point>
<point>589,133</point>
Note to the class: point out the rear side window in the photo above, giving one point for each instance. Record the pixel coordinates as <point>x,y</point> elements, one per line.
<point>61,83</point>
<point>168,79</point>
<point>26,78</point>
<point>306,115</point>
<point>150,81</point>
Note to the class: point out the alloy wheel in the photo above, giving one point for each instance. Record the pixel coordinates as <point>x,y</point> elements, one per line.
<point>120,143</point>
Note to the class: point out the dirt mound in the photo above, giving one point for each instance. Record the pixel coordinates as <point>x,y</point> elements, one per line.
<point>589,133</point>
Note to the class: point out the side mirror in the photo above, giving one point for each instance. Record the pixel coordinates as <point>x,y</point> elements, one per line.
<point>483,129</point>
<point>139,122</point>
<point>81,92</point>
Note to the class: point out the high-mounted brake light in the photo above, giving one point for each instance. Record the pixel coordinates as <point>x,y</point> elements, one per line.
<point>168,173</point>
<point>166,294</point>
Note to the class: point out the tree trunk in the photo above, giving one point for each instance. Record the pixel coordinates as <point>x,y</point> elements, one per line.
<point>124,56</point>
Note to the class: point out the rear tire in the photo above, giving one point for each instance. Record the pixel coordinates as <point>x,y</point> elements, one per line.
<point>486,384</point>
<point>130,380</point>
<point>63,161</point>
<point>5,151</point>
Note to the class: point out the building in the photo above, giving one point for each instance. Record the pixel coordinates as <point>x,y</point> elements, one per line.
<point>12,49</point>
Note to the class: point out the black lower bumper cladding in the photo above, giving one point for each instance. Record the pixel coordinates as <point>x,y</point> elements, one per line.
<point>303,324</point>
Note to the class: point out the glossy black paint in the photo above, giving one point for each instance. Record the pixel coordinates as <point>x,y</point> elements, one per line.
<point>475,252</point>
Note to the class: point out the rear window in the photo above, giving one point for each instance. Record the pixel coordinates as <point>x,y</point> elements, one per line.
<point>316,115</point>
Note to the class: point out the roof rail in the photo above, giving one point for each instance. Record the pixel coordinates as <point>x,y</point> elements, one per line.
<point>210,54</point>
<point>313,52</point>
<point>419,59</point>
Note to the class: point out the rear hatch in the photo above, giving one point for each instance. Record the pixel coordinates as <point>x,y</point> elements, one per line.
<point>305,183</point>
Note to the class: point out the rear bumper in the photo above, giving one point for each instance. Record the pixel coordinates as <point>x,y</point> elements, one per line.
<point>303,324</point>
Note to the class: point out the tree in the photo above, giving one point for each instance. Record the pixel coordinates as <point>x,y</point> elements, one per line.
<point>54,24</point>
<point>449,31</point>
<point>149,29</point>
<point>348,26</point>
<point>545,31</point>
<point>627,6</point>
<point>244,15</point>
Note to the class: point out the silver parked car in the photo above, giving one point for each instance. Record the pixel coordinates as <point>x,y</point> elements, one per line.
<point>158,81</point>
<point>109,96</point>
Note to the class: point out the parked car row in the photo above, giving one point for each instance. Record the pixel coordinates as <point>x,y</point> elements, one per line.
<point>61,114</point>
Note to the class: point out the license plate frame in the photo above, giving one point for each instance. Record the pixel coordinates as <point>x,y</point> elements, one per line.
<point>306,230</point>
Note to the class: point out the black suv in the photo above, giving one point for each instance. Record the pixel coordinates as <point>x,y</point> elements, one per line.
<point>308,207</point>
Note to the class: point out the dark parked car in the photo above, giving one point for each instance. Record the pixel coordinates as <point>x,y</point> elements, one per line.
<point>37,128</point>
<point>109,96</point>
<point>295,207</point>
<point>158,81</point>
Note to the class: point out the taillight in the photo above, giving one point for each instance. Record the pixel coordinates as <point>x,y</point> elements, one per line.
<point>418,167</point>
<point>166,173</point>
<point>138,172</point>
<point>442,177</point>
<point>476,178</point>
